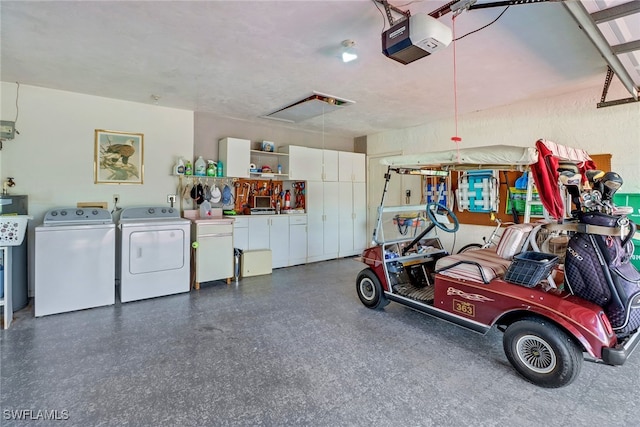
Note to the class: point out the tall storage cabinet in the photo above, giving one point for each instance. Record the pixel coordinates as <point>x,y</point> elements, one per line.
<point>353,218</point>
<point>323,205</point>
<point>353,203</point>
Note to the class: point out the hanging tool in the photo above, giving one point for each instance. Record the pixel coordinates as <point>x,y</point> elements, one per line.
<point>514,211</point>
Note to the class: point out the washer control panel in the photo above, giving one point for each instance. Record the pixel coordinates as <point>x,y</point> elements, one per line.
<point>149,213</point>
<point>78,216</point>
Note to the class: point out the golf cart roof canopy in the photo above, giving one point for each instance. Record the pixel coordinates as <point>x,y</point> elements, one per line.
<point>499,157</point>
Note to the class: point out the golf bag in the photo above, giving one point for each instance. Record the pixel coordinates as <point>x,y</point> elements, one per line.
<point>598,269</point>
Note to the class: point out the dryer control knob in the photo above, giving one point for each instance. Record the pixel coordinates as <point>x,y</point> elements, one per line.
<point>63,213</point>
<point>94,212</point>
<point>79,212</point>
<point>151,211</point>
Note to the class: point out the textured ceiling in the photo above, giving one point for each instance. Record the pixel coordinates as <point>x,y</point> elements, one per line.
<point>245,59</point>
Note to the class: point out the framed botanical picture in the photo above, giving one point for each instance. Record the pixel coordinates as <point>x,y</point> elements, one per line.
<point>118,157</point>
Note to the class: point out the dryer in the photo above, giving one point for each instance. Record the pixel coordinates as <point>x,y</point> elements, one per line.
<point>154,253</point>
<point>74,260</point>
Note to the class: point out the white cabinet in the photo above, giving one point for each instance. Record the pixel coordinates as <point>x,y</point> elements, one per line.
<point>241,233</point>
<point>6,300</point>
<point>329,165</point>
<point>352,218</point>
<point>297,239</point>
<point>279,240</point>
<point>323,205</point>
<point>271,232</point>
<point>304,163</point>
<point>235,156</point>
<point>351,167</point>
<point>214,256</point>
<point>311,164</point>
<point>259,232</point>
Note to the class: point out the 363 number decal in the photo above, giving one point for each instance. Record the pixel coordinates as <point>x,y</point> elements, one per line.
<point>464,307</point>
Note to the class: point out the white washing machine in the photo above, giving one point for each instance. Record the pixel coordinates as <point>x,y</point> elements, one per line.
<point>154,245</point>
<point>75,253</point>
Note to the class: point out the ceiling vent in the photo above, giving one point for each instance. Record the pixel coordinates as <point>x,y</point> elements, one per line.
<point>313,105</point>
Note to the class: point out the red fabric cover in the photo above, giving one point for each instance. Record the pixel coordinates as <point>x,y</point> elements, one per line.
<point>545,174</point>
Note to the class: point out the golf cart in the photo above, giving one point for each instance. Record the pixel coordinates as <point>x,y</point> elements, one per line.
<point>548,329</point>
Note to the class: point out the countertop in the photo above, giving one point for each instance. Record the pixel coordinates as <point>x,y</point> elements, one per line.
<point>224,220</point>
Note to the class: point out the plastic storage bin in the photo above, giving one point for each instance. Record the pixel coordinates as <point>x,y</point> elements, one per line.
<point>529,268</point>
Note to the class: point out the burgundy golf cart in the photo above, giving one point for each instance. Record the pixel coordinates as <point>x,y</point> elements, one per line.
<point>549,328</point>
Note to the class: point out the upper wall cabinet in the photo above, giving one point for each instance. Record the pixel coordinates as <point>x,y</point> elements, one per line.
<point>351,167</point>
<point>305,163</point>
<point>235,154</point>
<point>330,165</point>
<point>311,164</point>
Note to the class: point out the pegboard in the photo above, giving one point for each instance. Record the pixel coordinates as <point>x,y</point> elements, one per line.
<point>247,188</point>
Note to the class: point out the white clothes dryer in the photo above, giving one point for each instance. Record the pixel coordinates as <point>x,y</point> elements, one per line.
<point>74,260</point>
<point>154,253</point>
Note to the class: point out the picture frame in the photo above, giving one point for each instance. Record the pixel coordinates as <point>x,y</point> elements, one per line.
<point>268,146</point>
<point>119,157</point>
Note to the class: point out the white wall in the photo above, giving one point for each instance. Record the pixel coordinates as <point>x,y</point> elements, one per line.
<point>52,158</point>
<point>569,119</point>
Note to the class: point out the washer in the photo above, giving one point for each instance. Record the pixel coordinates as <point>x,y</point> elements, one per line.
<point>154,245</point>
<point>74,260</point>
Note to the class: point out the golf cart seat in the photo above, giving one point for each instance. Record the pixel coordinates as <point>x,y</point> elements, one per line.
<point>484,265</point>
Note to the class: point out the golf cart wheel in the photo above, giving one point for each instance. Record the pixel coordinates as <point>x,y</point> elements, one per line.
<point>542,353</point>
<point>370,290</point>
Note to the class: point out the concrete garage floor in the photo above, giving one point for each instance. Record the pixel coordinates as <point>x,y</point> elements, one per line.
<point>292,348</point>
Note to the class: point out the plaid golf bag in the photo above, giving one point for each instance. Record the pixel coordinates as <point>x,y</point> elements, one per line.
<point>598,269</point>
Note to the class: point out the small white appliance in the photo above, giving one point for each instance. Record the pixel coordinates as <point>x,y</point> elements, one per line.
<point>74,260</point>
<point>154,253</point>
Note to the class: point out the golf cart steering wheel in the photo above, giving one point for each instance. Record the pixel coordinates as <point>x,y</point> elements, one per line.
<point>438,213</point>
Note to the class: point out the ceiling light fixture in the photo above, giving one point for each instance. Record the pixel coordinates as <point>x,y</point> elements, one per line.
<point>348,51</point>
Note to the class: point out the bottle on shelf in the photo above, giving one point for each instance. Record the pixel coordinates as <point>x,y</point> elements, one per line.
<point>188,170</point>
<point>211,168</point>
<point>287,200</point>
<point>220,171</point>
<point>178,169</point>
<point>200,167</point>
<point>279,169</point>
